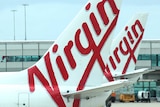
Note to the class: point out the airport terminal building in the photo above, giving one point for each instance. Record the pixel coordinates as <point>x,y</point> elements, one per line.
<point>19,55</point>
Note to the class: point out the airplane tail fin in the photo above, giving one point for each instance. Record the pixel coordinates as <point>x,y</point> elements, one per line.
<point>83,54</point>
<point>79,53</point>
<point>125,47</point>
<point>77,56</point>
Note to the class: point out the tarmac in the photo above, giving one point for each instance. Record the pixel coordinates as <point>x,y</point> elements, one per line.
<point>136,104</point>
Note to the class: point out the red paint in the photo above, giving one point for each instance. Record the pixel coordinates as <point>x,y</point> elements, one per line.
<point>130,51</point>
<point>76,103</point>
<point>95,24</point>
<point>55,48</point>
<point>116,55</point>
<point>126,48</point>
<point>129,59</point>
<point>62,68</point>
<point>69,55</point>
<point>129,35</point>
<point>108,74</point>
<point>60,63</point>
<point>124,52</point>
<point>96,54</point>
<point>88,6</point>
<point>138,24</point>
<point>53,90</point>
<point>102,11</point>
<point>92,46</point>
<point>89,38</point>
<point>112,63</point>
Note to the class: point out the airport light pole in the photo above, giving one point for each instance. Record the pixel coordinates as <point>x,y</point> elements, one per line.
<point>25,21</point>
<point>14,24</point>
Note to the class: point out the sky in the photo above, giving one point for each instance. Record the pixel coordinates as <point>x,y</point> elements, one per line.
<point>46,19</point>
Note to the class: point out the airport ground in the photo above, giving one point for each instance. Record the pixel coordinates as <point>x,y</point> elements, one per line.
<point>135,104</point>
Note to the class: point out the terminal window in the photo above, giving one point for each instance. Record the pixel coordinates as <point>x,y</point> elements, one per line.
<point>28,58</point>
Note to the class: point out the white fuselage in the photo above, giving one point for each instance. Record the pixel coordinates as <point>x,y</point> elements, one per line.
<point>17,94</point>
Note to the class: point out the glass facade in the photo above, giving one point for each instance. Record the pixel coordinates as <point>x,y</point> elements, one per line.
<point>154,58</point>
<point>19,55</point>
<point>28,58</point>
<point>146,86</point>
<point>144,57</point>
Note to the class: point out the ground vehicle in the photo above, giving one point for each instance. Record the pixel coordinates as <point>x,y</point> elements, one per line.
<point>127,94</point>
<point>113,97</point>
<point>143,96</point>
<point>127,98</point>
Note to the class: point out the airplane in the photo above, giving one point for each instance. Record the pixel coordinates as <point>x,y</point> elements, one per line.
<point>79,69</point>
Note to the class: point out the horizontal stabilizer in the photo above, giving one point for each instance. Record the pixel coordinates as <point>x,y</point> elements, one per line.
<point>93,92</point>
<point>133,74</point>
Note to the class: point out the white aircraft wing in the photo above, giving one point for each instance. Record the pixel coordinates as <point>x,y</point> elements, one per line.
<point>93,92</point>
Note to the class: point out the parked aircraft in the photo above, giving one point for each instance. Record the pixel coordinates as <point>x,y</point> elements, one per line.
<point>78,70</point>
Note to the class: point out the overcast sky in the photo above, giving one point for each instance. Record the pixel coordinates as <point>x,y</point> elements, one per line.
<point>46,19</point>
